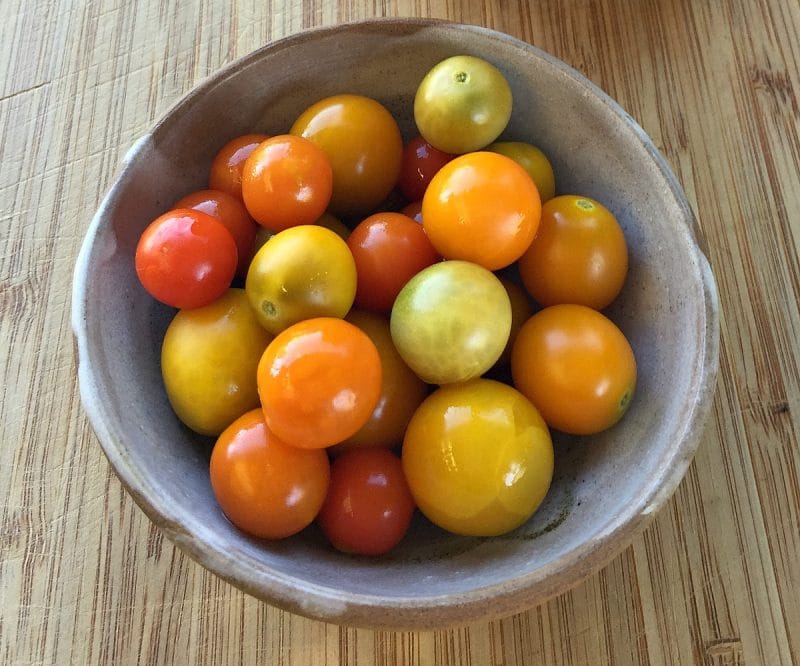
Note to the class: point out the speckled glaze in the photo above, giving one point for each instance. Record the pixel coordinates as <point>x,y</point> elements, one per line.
<point>606,487</point>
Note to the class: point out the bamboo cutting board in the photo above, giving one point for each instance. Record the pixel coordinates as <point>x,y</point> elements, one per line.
<point>86,579</point>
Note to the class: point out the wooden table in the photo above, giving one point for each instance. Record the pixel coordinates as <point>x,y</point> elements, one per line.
<point>86,579</point>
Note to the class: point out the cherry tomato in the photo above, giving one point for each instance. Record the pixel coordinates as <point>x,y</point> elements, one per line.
<point>576,366</point>
<point>231,212</point>
<point>300,273</point>
<point>421,161</point>
<point>534,161</point>
<point>286,182</point>
<point>226,169</point>
<point>265,487</point>
<point>334,224</point>
<point>319,381</point>
<point>401,390</point>
<point>579,255</point>
<point>364,146</point>
<point>413,210</point>
<point>368,507</point>
<point>462,104</point>
<point>521,311</point>
<point>209,358</point>
<point>451,322</point>
<point>389,249</point>
<point>186,258</point>
<point>478,458</point>
<point>481,207</point>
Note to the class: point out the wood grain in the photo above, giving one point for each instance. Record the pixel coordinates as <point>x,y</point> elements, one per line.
<point>86,579</point>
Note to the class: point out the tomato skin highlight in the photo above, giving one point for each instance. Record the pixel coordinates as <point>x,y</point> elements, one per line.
<point>265,487</point>
<point>369,507</point>
<point>576,366</point>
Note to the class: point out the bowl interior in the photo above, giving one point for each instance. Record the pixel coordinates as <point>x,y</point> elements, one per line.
<point>603,484</point>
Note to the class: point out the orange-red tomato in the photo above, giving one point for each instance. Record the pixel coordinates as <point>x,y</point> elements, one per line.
<point>401,390</point>
<point>286,182</point>
<point>231,212</point>
<point>389,249</point>
<point>364,145</point>
<point>481,207</point>
<point>576,367</point>
<point>265,487</point>
<point>226,169</point>
<point>578,256</point>
<point>368,507</point>
<point>319,381</point>
<point>413,210</point>
<point>186,258</point>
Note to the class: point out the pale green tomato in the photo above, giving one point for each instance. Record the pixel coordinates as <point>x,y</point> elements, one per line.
<point>478,458</point>
<point>451,322</point>
<point>462,104</point>
<point>209,358</point>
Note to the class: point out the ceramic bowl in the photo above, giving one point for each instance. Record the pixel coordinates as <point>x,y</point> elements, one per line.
<point>606,487</point>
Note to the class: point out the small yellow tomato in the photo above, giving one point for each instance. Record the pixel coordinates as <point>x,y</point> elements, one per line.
<point>533,160</point>
<point>209,358</point>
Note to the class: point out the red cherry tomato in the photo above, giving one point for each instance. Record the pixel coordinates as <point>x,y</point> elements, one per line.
<point>421,161</point>
<point>369,506</point>
<point>413,210</point>
<point>265,487</point>
<point>226,169</point>
<point>186,258</point>
<point>231,212</point>
<point>389,249</point>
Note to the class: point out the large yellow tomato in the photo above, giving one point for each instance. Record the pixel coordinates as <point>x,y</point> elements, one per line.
<point>209,359</point>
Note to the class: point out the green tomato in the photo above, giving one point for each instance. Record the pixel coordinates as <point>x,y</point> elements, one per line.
<point>462,104</point>
<point>534,161</point>
<point>209,358</point>
<point>451,322</point>
<point>478,458</point>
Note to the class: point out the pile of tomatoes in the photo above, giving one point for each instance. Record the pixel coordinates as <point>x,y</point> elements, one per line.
<point>340,351</point>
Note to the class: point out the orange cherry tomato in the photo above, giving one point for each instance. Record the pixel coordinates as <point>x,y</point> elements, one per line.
<point>521,311</point>
<point>481,207</point>
<point>286,182</point>
<point>576,367</point>
<point>389,249</point>
<point>401,390</point>
<point>226,169</point>
<point>578,256</point>
<point>319,381</point>
<point>369,507</point>
<point>265,487</point>
<point>364,145</point>
<point>231,212</point>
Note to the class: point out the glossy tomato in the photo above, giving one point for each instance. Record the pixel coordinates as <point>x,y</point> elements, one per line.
<point>364,146</point>
<point>451,322</point>
<point>368,507</point>
<point>401,390</point>
<point>421,161</point>
<point>300,273</point>
<point>462,104</point>
<point>576,366</point>
<point>228,163</point>
<point>389,249</point>
<point>319,382</point>
<point>265,487</point>
<point>186,258</point>
<point>481,207</point>
<point>478,458</point>
<point>413,210</point>
<point>534,161</point>
<point>231,212</point>
<point>579,255</point>
<point>209,358</point>
<point>286,181</point>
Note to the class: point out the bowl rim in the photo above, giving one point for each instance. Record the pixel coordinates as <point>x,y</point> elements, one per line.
<point>327,603</point>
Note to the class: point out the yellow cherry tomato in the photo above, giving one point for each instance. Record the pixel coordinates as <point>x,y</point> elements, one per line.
<point>533,160</point>
<point>209,359</point>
